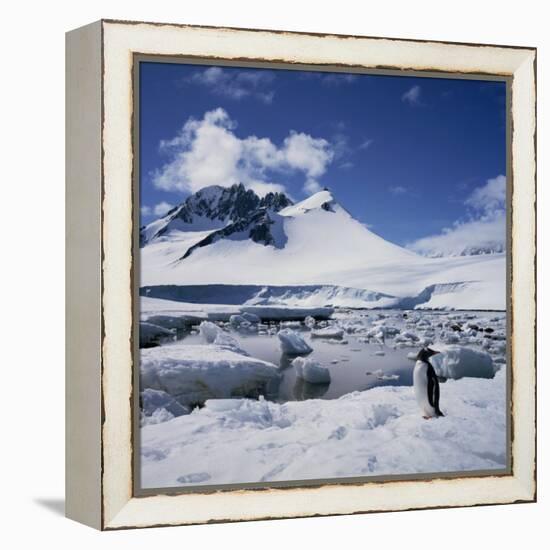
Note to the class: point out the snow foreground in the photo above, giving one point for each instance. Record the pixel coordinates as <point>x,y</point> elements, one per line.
<point>378,432</point>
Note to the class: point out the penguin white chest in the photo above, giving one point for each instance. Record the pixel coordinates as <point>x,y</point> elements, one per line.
<point>420,383</point>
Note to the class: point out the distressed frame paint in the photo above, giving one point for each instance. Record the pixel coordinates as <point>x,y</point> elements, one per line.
<point>174,490</point>
<point>117,506</point>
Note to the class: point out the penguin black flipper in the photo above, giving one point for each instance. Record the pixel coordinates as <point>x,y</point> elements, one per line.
<point>433,390</point>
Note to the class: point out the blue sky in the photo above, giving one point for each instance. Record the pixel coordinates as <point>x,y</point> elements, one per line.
<point>416,159</point>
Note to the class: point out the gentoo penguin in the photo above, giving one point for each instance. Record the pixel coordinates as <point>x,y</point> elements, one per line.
<point>426,384</point>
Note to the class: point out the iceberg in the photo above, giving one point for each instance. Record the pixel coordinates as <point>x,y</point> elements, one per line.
<point>458,362</point>
<point>311,371</point>
<point>292,343</point>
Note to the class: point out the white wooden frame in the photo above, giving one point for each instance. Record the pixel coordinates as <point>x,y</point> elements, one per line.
<point>99,271</point>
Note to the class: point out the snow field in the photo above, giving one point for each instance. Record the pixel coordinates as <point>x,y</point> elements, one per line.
<point>370,433</point>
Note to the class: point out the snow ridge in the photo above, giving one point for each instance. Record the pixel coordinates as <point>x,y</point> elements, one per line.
<point>213,208</point>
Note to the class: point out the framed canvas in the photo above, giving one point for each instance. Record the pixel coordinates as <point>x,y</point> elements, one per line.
<point>300,274</point>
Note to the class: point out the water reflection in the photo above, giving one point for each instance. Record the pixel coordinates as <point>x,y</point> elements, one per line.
<point>303,390</point>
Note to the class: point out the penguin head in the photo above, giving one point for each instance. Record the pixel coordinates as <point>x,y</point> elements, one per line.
<point>425,353</point>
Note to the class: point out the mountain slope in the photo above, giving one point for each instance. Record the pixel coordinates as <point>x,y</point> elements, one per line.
<point>314,242</point>
<point>212,208</point>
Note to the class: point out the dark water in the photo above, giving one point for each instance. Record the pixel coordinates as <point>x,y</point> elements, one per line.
<point>354,364</point>
<point>348,361</point>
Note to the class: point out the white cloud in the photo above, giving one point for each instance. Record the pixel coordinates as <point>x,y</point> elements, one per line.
<point>207,152</point>
<point>489,197</point>
<point>312,186</point>
<point>159,209</point>
<point>162,208</point>
<point>337,79</point>
<point>330,79</point>
<point>366,144</point>
<point>412,96</point>
<point>484,229</point>
<point>236,84</point>
<point>398,190</point>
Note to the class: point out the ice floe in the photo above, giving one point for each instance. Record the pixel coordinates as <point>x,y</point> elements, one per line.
<point>194,373</point>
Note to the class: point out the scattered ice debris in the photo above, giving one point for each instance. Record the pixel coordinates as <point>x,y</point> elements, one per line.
<point>328,332</point>
<point>292,343</point>
<point>311,371</point>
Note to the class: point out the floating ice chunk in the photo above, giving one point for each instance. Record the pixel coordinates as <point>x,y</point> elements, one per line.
<point>380,353</point>
<point>151,334</point>
<point>309,321</point>
<point>251,317</point>
<point>406,337</point>
<point>291,324</point>
<point>458,362</point>
<point>311,371</point>
<point>328,332</point>
<point>158,416</point>
<point>161,405</point>
<point>225,340</point>
<point>292,343</point>
<point>290,313</point>
<point>237,320</point>
<point>450,338</point>
<point>209,331</point>
<point>213,334</point>
<point>388,377</point>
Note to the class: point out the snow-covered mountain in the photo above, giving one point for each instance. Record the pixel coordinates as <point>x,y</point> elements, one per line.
<point>213,208</point>
<point>231,236</point>
<point>489,247</point>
